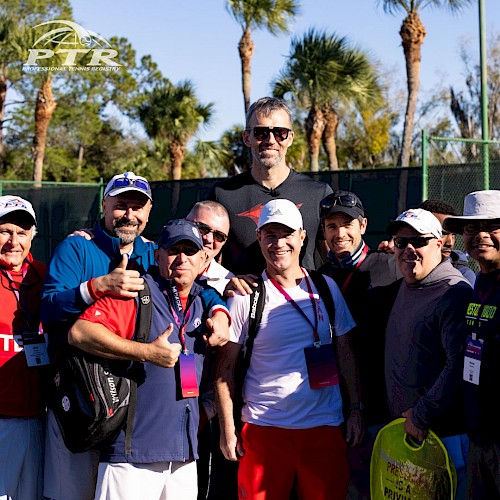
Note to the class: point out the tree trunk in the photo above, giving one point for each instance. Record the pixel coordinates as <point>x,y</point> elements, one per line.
<point>79,165</point>
<point>177,151</point>
<point>44,108</point>
<point>329,135</point>
<point>3,93</point>
<point>412,35</point>
<point>315,125</point>
<point>246,48</point>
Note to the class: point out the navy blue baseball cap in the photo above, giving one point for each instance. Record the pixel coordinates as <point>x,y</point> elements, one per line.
<point>176,230</point>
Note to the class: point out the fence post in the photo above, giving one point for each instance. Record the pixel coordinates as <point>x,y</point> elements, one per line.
<point>425,169</point>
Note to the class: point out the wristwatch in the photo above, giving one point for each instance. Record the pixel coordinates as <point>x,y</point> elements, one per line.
<point>357,406</point>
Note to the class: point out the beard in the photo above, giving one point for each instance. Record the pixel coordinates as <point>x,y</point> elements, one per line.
<point>125,230</point>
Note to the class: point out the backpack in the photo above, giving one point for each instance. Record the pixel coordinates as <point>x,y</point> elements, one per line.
<point>257,301</point>
<point>93,397</point>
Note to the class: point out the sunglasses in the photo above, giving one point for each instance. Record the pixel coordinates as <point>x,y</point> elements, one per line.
<point>345,200</point>
<point>125,182</point>
<point>185,249</point>
<point>481,227</point>
<point>205,229</point>
<point>263,133</point>
<point>415,241</point>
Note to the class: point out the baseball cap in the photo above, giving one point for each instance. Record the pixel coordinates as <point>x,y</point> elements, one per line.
<point>10,204</point>
<point>280,211</point>
<point>176,230</point>
<point>128,181</point>
<point>478,205</point>
<point>419,219</point>
<point>346,202</point>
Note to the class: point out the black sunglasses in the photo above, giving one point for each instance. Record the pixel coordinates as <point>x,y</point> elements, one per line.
<point>205,229</point>
<point>415,241</point>
<point>345,200</point>
<point>185,249</point>
<point>263,133</point>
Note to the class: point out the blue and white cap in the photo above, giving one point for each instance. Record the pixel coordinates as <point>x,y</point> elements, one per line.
<point>176,230</point>
<point>10,204</point>
<point>128,181</point>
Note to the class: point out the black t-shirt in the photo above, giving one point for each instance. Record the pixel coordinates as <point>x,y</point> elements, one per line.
<point>244,198</point>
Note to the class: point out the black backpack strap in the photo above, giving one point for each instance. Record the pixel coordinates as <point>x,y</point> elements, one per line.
<point>325,294</point>
<point>257,300</point>
<point>141,334</point>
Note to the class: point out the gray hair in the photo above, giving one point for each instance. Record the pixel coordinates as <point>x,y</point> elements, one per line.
<point>266,106</point>
<point>213,206</point>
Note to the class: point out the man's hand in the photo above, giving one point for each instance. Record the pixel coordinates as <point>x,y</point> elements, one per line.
<point>355,429</point>
<point>386,246</point>
<point>161,352</point>
<point>219,326</point>
<point>120,282</point>
<point>84,233</point>
<point>243,285</point>
<point>411,429</point>
<point>231,446</point>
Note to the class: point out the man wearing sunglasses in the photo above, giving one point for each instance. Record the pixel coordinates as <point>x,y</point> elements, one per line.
<point>361,274</point>
<point>22,400</point>
<point>268,133</point>
<point>425,337</point>
<point>161,460</point>
<point>480,227</point>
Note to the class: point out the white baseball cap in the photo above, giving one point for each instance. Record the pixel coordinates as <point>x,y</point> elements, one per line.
<point>419,219</point>
<point>478,205</point>
<point>280,211</point>
<point>10,204</point>
<point>128,181</point>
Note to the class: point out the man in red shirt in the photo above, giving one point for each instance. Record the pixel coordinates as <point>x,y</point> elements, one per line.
<point>22,353</point>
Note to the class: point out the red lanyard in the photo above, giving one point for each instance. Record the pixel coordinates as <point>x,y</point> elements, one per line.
<point>317,341</point>
<point>16,285</point>
<point>360,261</point>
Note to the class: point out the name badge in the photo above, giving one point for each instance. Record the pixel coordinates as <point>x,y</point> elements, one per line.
<point>189,384</point>
<point>321,366</point>
<point>35,348</point>
<point>472,360</point>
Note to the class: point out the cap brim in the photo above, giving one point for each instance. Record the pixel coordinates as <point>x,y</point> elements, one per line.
<point>19,210</point>
<point>182,237</point>
<point>455,224</point>
<point>279,222</point>
<point>115,192</point>
<point>353,212</point>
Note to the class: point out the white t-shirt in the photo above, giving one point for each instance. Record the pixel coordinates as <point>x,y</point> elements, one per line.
<point>276,390</point>
<point>217,276</point>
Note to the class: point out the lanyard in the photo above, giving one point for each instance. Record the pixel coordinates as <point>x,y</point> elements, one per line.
<point>15,286</point>
<point>317,341</point>
<point>180,317</point>
<point>360,261</point>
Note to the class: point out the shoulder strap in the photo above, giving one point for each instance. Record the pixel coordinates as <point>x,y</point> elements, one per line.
<point>325,294</point>
<point>141,334</point>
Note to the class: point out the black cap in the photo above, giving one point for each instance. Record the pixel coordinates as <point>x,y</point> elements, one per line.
<point>346,202</point>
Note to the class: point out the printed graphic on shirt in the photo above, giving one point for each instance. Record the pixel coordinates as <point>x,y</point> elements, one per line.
<point>254,212</point>
<point>477,315</point>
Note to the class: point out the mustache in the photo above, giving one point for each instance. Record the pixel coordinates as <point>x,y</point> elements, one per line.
<point>124,222</point>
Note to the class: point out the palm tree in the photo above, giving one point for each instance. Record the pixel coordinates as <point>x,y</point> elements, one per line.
<point>323,71</point>
<point>412,34</point>
<point>273,15</point>
<point>172,115</point>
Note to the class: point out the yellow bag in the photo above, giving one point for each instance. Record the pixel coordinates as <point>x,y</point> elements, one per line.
<point>402,469</point>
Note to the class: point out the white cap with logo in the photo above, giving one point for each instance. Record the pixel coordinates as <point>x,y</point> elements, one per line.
<point>10,204</point>
<point>419,219</point>
<point>128,181</point>
<point>280,211</point>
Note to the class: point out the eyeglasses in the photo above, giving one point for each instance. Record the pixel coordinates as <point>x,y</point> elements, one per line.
<point>186,250</point>
<point>205,229</point>
<point>415,241</point>
<point>480,227</point>
<point>127,181</point>
<point>263,133</point>
<point>345,200</point>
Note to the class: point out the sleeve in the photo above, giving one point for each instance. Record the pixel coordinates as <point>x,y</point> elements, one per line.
<point>116,314</point>
<point>344,321</point>
<point>61,297</point>
<point>239,308</point>
<point>212,301</point>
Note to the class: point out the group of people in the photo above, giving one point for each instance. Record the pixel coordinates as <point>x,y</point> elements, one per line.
<point>297,341</point>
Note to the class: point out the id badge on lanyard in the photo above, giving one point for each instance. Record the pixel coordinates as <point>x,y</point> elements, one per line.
<point>472,360</point>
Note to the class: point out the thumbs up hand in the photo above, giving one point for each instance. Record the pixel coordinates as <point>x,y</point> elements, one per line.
<point>120,282</point>
<point>161,352</point>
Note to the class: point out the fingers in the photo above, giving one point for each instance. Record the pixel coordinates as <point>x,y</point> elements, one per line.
<point>168,331</point>
<point>124,262</point>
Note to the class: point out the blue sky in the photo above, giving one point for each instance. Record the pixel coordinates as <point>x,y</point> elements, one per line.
<point>197,40</point>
